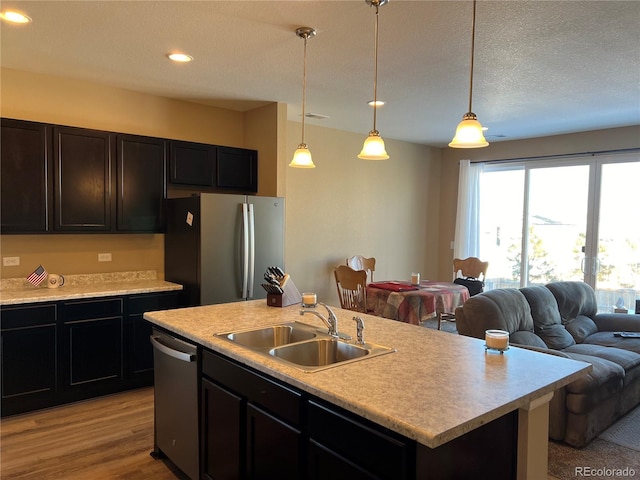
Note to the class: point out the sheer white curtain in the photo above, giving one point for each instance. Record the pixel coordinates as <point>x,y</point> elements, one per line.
<point>466,242</point>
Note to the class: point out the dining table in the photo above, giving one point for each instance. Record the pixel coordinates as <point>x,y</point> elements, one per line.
<point>413,303</point>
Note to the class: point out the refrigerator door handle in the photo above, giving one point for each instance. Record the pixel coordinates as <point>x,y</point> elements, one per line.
<point>245,249</point>
<point>252,250</point>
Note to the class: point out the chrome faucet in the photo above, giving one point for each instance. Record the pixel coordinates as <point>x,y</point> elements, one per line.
<point>331,321</point>
<point>359,330</point>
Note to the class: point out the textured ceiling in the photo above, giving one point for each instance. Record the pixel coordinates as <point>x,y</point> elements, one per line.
<point>541,67</point>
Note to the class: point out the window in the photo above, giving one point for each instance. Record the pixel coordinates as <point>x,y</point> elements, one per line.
<point>564,219</point>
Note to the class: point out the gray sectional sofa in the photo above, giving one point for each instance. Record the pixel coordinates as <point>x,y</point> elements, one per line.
<point>561,318</point>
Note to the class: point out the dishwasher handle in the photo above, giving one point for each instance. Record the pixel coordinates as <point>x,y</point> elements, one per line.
<point>184,356</point>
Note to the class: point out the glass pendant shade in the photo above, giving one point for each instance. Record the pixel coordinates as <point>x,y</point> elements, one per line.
<point>469,133</point>
<point>373,148</point>
<point>302,158</point>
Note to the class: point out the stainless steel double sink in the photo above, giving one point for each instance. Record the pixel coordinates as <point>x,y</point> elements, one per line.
<point>304,346</point>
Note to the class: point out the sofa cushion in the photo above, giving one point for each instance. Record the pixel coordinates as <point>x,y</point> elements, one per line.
<point>629,361</point>
<point>581,328</point>
<point>574,298</point>
<point>603,381</point>
<point>523,337</point>
<point>556,337</point>
<point>607,339</point>
<point>544,308</point>
<point>502,308</point>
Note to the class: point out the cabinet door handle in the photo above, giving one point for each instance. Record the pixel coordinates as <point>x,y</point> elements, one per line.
<point>161,347</point>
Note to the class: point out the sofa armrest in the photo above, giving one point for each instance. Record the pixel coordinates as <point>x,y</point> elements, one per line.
<point>617,322</point>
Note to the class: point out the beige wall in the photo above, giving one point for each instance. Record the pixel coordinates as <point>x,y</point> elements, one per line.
<point>594,141</point>
<point>346,206</point>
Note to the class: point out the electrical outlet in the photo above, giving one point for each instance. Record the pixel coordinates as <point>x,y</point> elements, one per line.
<point>10,261</point>
<point>104,257</point>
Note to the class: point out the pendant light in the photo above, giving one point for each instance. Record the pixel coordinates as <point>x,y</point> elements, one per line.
<point>302,156</point>
<point>373,148</point>
<point>469,132</point>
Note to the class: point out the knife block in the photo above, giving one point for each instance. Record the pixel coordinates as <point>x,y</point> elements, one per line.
<point>290,295</point>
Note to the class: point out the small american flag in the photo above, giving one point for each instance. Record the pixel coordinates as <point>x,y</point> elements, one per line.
<point>37,276</point>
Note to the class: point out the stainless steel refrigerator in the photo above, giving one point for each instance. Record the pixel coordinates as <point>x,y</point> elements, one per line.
<point>218,246</point>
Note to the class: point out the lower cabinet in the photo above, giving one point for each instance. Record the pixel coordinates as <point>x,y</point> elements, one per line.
<point>29,353</point>
<point>250,424</point>
<point>255,427</point>
<point>92,344</point>
<point>59,352</point>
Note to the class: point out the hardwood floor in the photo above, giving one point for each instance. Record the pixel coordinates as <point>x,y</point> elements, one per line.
<point>105,438</point>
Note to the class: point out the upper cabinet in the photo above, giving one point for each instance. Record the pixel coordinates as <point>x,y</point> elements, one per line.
<point>192,163</point>
<point>26,187</point>
<point>141,183</point>
<point>213,168</point>
<point>82,175</point>
<point>68,179</point>
<point>237,169</point>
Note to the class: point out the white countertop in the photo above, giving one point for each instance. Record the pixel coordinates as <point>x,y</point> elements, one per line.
<point>434,388</point>
<point>85,286</point>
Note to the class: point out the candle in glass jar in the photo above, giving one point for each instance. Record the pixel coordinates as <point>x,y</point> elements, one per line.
<point>415,279</point>
<point>309,299</point>
<point>497,339</point>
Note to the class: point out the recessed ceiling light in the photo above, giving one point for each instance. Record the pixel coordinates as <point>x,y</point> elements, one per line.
<point>14,16</point>
<point>378,103</point>
<point>180,57</point>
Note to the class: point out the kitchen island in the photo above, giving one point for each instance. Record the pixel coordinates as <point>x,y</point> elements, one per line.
<point>435,389</point>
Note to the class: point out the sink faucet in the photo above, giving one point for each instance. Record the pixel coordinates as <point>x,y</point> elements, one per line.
<point>359,331</point>
<point>331,321</point>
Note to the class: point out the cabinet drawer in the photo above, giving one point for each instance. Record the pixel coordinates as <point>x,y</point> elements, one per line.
<point>24,317</point>
<point>148,303</point>
<point>272,396</point>
<point>383,455</point>
<point>91,309</point>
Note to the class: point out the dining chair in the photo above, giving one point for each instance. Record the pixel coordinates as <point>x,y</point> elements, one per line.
<point>358,262</point>
<point>352,288</point>
<point>471,267</point>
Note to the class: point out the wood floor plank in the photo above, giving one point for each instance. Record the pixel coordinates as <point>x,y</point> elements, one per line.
<point>102,439</point>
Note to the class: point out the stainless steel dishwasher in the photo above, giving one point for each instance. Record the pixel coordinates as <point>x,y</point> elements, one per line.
<point>176,402</point>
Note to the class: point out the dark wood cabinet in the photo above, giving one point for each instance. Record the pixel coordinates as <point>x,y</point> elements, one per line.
<point>65,179</point>
<point>254,426</point>
<point>352,446</point>
<point>212,168</point>
<point>139,366</point>
<point>92,346</point>
<point>26,181</point>
<point>222,433</point>
<point>250,424</point>
<point>83,181</point>
<point>59,352</point>
<point>237,169</point>
<point>274,448</point>
<point>141,183</point>
<point>29,354</point>
<point>192,163</point>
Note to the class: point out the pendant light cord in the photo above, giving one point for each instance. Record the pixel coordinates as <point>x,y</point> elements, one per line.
<point>304,85</point>
<point>375,71</point>
<point>473,42</point>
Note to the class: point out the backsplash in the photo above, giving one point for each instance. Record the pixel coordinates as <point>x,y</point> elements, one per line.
<point>82,279</point>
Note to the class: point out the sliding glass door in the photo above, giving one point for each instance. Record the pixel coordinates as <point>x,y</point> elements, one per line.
<point>571,219</point>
